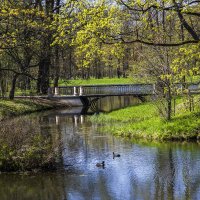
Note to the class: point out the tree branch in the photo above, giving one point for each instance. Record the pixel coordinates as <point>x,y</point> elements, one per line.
<point>18,73</point>
<point>152,43</point>
<point>184,22</point>
<point>160,7</point>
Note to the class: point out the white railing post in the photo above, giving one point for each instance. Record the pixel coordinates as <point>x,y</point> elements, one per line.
<point>75,91</point>
<point>80,90</point>
<point>57,120</point>
<point>56,91</point>
<point>75,120</point>
<point>82,119</point>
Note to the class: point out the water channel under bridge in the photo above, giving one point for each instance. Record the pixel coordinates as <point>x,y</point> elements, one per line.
<point>86,95</point>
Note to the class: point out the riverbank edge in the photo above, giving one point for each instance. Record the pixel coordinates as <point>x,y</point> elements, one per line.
<point>129,123</point>
<point>21,106</point>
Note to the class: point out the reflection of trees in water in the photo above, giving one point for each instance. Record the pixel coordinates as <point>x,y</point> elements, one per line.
<point>174,178</point>
<point>26,145</point>
<point>32,187</point>
<point>164,175</point>
<point>116,102</point>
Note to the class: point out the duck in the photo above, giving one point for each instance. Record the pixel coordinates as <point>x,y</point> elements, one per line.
<point>102,164</point>
<point>115,155</point>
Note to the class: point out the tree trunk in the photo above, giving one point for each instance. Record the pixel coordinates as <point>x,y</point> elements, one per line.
<point>12,90</point>
<point>169,104</point>
<point>57,68</point>
<point>57,72</point>
<point>43,75</point>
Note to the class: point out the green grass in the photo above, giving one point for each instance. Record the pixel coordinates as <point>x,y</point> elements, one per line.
<point>107,80</point>
<point>143,121</point>
<point>16,107</point>
<point>102,81</point>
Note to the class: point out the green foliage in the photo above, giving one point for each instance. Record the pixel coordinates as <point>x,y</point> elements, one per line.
<point>187,62</point>
<point>26,30</point>
<point>86,29</point>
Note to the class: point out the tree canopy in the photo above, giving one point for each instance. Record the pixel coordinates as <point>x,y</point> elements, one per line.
<point>42,41</point>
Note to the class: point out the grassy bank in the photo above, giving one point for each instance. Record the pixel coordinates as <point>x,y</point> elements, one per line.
<point>143,121</point>
<point>16,107</point>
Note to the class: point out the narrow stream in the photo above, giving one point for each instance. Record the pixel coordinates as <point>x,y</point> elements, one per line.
<point>144,171</point>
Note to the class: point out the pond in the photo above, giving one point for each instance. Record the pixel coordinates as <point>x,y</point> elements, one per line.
<point>145,170</point>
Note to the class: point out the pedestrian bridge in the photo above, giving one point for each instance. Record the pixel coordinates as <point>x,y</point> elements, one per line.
<point>105,90</point>
<point>85,95</point>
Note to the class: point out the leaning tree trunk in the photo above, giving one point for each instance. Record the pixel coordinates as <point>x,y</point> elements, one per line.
<point>13,86</point>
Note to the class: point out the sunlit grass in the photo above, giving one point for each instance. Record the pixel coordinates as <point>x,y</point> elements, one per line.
<point>107,80</point>
<point>102,81</point>
<point>10,108</point>
<point>143,121</point>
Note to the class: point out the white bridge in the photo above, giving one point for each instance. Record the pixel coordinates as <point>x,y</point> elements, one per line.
<point>86,94</point>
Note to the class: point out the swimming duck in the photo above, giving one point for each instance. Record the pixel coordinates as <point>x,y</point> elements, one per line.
<point>102,164</point>
<point>115,155</point>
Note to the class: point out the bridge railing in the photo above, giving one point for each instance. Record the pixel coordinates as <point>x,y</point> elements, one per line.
<point>123,89</point>
<point>120,89</point>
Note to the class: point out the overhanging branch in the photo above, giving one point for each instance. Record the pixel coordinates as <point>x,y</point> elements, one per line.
<point>18,73</point>
<point>150,43</point>
<point>160,44</point>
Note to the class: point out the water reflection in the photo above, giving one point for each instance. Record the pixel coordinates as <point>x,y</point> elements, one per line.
<point>107,104</point>
<point>144,171</point>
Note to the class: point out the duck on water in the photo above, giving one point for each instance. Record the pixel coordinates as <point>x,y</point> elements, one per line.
<point>102,164</point>
<point>115,155</point>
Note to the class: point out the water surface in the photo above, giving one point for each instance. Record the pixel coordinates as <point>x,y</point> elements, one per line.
<point>145,170</point>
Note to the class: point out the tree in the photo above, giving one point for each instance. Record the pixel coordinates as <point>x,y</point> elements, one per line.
<point>84,26</point>
<point>22,26</point>
<point>161,25</point>
<point>25,27</point>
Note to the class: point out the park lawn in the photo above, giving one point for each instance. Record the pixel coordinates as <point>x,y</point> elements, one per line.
<point>107,80</point>
<point>143,121</point>
<point>103,81</point>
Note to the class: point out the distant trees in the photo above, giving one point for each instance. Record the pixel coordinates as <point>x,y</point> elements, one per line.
<point>45,40</point>
<point>84,26</point>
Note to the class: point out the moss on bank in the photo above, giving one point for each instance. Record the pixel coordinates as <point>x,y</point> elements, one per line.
<point>16,107</point>
<point>143,121</point>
